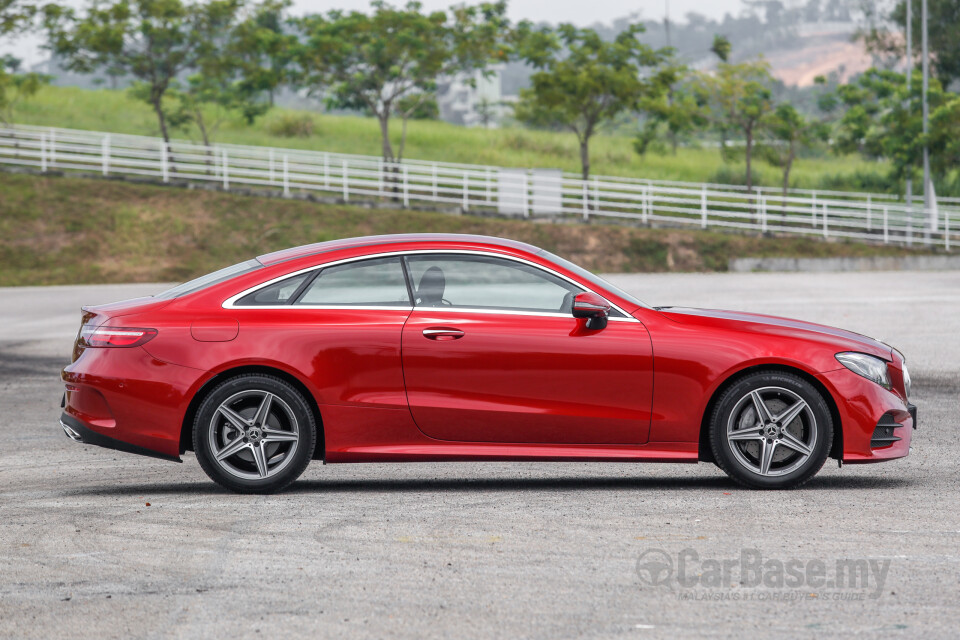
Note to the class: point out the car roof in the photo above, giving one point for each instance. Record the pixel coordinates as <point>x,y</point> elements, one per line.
<point>293,253</point>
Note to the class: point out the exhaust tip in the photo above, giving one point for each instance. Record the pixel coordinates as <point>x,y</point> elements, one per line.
<point>71,433</point>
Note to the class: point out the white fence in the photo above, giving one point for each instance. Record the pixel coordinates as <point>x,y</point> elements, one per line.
<point>525,193</point>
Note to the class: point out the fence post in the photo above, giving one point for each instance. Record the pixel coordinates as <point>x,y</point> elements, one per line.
<point>586,203</point>
<point>379,176</point>
<point>434,180</point>
<point>869,215</point>
<point>272,180</point>
<point>910,224</point>
<point>346,187</point>
<point>826,231</point>
<point>226,172</point>
<point>164,171</point>
<point>326,171</point>
<point>703,207</point>
<point>643,204</point>
<point>286,177</point>
<point>53,147</point>
<point>813,211</point>
<point>489,186</point>
<point>466,190</point>
<point>886,231</point>
<point>105,152</point>
<point>946,229</point>
<point>43,153</point>
<point>763,212</point>
<point>596,194</point>
<point>526,211</point>
<point>406,193</point>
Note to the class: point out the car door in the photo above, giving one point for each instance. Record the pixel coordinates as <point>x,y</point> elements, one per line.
<point>491,353</point>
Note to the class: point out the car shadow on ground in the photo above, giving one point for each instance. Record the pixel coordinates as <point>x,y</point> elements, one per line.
<point>487,485</point>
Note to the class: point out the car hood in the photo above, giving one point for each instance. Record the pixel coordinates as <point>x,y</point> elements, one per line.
<point>774,325</point>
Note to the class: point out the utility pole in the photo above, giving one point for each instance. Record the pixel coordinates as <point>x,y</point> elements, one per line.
<point>927,200</point>
<point>666,19</point>
<point>909,98</point>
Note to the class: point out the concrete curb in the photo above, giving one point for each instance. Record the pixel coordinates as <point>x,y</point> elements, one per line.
<point>875,263</point>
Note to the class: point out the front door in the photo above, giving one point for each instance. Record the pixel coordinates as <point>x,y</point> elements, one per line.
<point>492,354</point>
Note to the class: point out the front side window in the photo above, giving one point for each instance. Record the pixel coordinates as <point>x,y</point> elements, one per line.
<point>486,282</point>
<point>377,283</point>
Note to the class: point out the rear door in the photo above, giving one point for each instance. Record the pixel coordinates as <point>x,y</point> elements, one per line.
<point>492,354</point>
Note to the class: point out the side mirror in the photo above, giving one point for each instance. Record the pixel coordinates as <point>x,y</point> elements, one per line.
<point>592,307</point>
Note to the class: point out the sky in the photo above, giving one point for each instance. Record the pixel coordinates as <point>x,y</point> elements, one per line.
<point>579,12</point>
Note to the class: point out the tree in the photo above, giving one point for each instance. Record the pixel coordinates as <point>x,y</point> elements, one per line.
<point>943,18</point>
<point>262,50</point>
<point>154,41</point>
<point>388,63</point>
<point>881,120</point>
<point>789,130</point>
<point>16,87</point>
<point>583,81</point>
<point>742,98</point>
<point>679,112</point>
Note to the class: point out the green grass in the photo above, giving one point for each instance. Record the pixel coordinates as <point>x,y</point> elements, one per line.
<point>59,230</point>
<point>108,110</point>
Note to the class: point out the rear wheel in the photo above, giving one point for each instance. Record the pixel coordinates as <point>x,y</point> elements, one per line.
<point>771,430</point>
<point>254,434</point>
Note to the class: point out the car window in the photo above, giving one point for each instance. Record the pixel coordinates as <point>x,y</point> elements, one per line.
<point>210,279</point>
<point>277,293</point>
<point>377,282</point>
<point>484,282</point>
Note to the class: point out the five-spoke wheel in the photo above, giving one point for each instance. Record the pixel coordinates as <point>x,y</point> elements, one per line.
<point>771,430</point>
<point>254,433</point>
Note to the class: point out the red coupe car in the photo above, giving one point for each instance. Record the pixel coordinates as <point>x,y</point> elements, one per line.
<point>450,347</point>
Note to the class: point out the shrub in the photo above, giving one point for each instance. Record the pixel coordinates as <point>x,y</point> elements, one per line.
<point>290,125</point>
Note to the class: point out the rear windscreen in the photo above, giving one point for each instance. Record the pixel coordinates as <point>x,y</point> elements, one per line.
<point>210,279</point>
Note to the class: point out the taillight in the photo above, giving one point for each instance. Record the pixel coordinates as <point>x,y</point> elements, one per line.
<point>115,336</point>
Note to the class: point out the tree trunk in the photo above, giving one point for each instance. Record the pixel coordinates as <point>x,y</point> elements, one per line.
<point>384,118</point>
<point>162,119</point>
<point>748,150</point>
<point>403,138</point>
<point>786,170</point>
<point>198,115</point>
<point>585,157</point>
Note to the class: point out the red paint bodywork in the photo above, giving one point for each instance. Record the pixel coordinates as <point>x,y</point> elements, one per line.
<point>514,387</point>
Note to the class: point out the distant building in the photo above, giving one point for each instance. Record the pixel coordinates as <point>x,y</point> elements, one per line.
<point>481,105</point>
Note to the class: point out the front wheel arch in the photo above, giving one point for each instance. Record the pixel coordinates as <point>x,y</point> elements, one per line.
<point>186,426</point>
<point>705,454</point>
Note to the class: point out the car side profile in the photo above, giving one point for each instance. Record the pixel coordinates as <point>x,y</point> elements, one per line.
<point>436,347</point>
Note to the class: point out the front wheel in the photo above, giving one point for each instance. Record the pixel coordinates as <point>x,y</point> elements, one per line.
<point>771,430</point>
<point>254,434</point>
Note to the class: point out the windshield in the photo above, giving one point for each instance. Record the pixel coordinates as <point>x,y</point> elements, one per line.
<point>210,279</point>
<point>593,279</point>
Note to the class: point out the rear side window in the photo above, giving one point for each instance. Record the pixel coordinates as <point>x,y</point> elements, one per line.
<point>276,294</point>
<point>378,282</point>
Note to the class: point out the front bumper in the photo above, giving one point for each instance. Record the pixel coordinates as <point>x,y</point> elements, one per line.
<point>864,407</point>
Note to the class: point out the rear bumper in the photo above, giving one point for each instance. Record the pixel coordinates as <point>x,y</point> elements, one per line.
<point>78,432</point>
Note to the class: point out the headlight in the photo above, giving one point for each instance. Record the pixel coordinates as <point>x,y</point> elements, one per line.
<point>906,379</point>
<point>869,367</point>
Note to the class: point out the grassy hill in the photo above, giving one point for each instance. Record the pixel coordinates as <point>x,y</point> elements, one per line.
<point>56,230</point>
<point>108,110</point>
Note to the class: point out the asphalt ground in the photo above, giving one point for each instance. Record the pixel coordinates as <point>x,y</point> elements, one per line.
<point>508,550</point>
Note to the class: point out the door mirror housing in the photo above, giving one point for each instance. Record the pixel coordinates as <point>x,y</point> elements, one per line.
<point>592,307</point>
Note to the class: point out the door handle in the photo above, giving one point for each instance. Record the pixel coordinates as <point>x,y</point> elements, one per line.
<point>442,333</point>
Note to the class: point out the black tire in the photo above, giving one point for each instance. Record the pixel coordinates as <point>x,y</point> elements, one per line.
<point>743,455</point>
<point>286,414</point>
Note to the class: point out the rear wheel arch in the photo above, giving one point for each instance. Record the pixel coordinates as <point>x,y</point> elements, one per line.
<point>705,454</point>
<point>186,427</point>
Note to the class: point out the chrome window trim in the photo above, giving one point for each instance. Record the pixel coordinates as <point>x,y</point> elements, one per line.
<point>230,303</point>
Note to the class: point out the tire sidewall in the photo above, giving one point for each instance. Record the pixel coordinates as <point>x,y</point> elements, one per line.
<point>282,389</point>
<point>721,446</point>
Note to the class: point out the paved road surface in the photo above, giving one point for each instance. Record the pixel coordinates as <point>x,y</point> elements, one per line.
<point>486,549</point>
